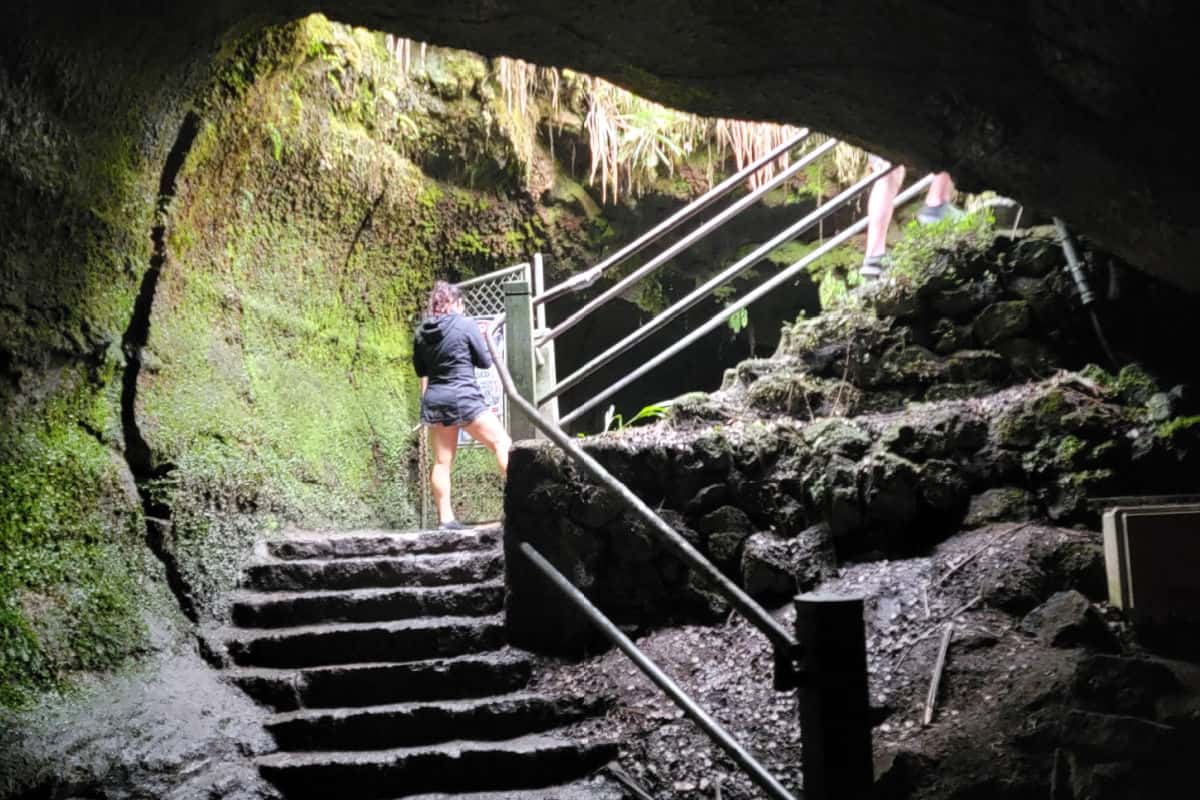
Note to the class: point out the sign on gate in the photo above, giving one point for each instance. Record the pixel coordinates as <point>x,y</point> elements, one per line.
<point>489,379</point>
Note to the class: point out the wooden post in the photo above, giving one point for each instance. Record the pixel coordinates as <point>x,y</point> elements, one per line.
<point>546,371</point>
<point>518,343</point>
<point>835,724</point>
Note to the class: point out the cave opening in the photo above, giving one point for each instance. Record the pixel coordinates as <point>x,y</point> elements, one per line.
<point>219,228</point>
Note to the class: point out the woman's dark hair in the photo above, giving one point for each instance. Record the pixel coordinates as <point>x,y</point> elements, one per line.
<point>443,296</point>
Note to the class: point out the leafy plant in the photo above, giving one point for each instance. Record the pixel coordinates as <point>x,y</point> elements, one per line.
<point>739,320</point>
<point>917,251</point>
<point>652,411</point>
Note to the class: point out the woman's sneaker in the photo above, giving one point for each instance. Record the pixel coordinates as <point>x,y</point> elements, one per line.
<point>872,268</point>
<point>931,214</point>
<point>453,525</point>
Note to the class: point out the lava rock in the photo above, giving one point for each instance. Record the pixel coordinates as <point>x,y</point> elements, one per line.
<point>704,600</point>
<point>943,485</point>
<point>911,365</point>
<point>1117,685</point>
<point>708,498</point>
<point>1116,737</point>
<point>727,528</point>
<point>890,491</point>
<point>725,518</point>
<point>1035,257</point>
<point>963,301</point>
<point>1000,321</point>
<point>948,337</point>
<point>1160,407</point>
<point>837,436</point>
<point>956,391</point>
<point>976,366</point>
<point>595,506</point>
<point>936,433</point>
<point>1028,357</point>
<point>774,568</point>
<point>1001,503</point>
<point>1068,620</point>
<point>897,301</point>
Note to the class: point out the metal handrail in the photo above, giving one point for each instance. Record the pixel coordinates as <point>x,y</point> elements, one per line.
<point>687,241</point>
<point>731,309</point>
<point>588,277</point>
<point>757,772</point>
<point>699,293</point>
<point>784,643</point>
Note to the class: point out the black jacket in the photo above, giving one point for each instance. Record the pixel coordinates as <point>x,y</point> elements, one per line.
<point>447,349</point>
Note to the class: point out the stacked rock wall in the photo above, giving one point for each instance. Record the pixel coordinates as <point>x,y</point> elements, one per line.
<point>819,454</point>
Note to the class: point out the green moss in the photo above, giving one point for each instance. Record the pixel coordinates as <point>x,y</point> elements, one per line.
<point>1097,375</point>
<point>69,591</point>
<point>1177,427</point>
<point>1070,451</point>
<point>915,257</point>
<point>652,297</point>
<point>1049,406</point>
<point>1133,385</point>
<point>430,196</point>
<point>471,243</point>
<point>478,491</point>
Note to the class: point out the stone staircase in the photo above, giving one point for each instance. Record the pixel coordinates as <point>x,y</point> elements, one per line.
<point>383,658</point>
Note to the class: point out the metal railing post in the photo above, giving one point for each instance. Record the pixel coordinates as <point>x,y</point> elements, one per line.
<point>835,724</point>
<point>518,343</point>
<point>546,367</point>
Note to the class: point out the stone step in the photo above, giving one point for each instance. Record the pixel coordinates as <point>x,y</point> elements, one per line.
<point>370,544</point>
<point>356,685</point>
<point>355,643</point>
<point>527,762</point>
<point>442,569</point>
<point>289,609</point>
<point>413,724</point>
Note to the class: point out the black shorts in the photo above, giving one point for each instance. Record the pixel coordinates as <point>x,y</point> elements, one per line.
<point>443,405</point>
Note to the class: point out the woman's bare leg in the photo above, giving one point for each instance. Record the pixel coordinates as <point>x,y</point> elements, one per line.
<point>940,190</point>
<point>488,431</point>
<point>444,440</point>
<point>879,211</point>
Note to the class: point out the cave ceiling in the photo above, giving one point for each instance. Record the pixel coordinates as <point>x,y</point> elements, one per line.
<point>1070,106</point>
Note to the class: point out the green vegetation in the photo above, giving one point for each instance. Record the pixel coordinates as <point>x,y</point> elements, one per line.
<point>70,595</point>
<point>1133,385</point>
<point>917,252</point>
<point>614,421</point>
<point>1179,426</point>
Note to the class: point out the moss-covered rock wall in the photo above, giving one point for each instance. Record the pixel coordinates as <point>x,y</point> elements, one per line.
<point>207,291</point>
<point>213,258</point>
<point>80,164</point>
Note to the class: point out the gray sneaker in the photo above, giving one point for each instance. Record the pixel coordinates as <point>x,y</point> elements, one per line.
<point>931,214</point>
<point>872,267</point>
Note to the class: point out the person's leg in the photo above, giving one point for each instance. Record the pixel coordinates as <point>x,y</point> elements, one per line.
<point>941,190</point>
<point>488,431</point>
<point>444,441</point>
<point>937,201</point>
<point>879,217</point>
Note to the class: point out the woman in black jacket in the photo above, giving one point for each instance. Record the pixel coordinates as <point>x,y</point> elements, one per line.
<point>447,347</point>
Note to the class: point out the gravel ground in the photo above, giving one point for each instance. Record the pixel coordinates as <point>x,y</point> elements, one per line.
<point>727,669</point>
